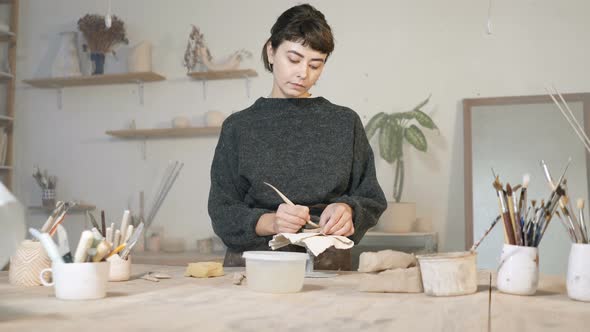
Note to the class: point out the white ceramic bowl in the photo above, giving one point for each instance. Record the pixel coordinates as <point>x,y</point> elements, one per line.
<point>275,271</point>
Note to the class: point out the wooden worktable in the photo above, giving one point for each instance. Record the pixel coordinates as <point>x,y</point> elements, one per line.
<point>216,304</point>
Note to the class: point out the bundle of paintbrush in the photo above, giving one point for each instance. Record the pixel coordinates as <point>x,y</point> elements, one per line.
<point>166,184</point>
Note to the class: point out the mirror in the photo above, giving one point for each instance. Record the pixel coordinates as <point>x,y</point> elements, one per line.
<point>512,135</point>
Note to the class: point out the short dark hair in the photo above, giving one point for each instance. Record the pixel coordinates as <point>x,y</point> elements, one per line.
<point>302,23</point>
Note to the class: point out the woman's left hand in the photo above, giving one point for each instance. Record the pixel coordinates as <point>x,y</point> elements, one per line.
<point>337,220</point>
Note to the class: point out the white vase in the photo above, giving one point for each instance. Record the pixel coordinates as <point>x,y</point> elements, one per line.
<point>140,58</point>
<point>67,61</point>
<point>578,272</point>
<point>12,223</point>
<point>397,218</point>
<point>519,270</point>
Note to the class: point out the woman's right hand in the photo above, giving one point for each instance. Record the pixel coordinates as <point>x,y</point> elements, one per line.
<point>287,219</point>
<point>290,218</point>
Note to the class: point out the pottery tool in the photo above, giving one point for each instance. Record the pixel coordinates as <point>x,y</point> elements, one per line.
<point>56,211</point>
<point>474,247</point>
<point>585,234</point>
<point>571,119</point>
<point>124,224</point>
<point>92,219</point>
<point>128,233</point>
<point>288,201</point>
<point>168,180</point>
<point>109,234</point>
<point>103,230</point>
<point>61,217</point>
<point>48,245</point>
<point>117,238</point>
<point>63,245</point>
<point>508,229</point>
<point>116,250</point>
<point>132,241</point>
<point>85,243</point>
<point>102,249</point>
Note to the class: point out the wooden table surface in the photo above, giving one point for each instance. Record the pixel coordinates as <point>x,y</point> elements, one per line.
<point>334,304</point>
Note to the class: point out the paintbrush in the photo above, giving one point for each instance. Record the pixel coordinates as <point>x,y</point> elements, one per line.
<point>555,197</point>
<point>103,231</point>
<point>486,233</point>
<point>288,201</point>
<point>513,213</point>
<point>569,230</point>
<point>571,119</point>
<point>508,230</point>
<point>523,197</point>
<point>582,221</point>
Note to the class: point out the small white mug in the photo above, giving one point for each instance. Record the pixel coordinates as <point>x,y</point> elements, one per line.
<point>120,269</point>
<point>578,272</point>
<point>519,270</point>
<point>78,281</point>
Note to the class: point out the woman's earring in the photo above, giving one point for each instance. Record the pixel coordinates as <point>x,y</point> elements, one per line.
<point>270,65</point>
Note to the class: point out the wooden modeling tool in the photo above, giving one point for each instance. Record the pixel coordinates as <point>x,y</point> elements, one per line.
<point>288,201</point>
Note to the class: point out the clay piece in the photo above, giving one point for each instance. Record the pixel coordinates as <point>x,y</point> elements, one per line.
<point>393,281</point>
<point>204,270</point>
<point>238,278</point>
<point>385,260</point>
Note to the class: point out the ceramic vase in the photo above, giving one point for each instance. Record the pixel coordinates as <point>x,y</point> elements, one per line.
<point>397,218</point>
<point>97,63</point>
<point>518,273</point>
<point>140,58</point>
<point>67,61</point>
<point>26,264</point>
<point>578,272</point>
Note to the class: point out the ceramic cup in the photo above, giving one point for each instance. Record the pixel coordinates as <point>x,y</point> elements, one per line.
<point>120,269</point>
<point>518,272</point>
<point>78,281</point>
<point>578,272</point>
<point>26,264</point>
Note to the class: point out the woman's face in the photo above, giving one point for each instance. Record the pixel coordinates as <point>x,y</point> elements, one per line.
<point>295,68</point>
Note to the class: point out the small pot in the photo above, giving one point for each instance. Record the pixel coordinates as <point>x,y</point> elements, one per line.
<point>449,274</point>
<point>578,272</point>
<point>518,273</point>
<point>275,271</point>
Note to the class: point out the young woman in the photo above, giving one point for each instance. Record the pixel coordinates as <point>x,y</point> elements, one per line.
<point>314,151</point>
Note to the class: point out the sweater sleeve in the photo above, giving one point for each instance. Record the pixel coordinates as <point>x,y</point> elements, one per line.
<point>232,219</point>
<point>364,193</point>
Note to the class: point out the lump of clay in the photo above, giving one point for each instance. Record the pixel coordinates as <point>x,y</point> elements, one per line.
<point>393,281</point>
<point>385,260</point>
<point>204,270</point>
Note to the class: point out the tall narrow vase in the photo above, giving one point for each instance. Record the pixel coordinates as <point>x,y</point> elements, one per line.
<point>97,63</point>
<point>67,61</point>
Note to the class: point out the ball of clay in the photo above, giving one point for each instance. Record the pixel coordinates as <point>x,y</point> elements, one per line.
<point>181,122</point>
<point>214,118</point>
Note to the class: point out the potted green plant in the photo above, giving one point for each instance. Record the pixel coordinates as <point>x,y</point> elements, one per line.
<point>394,129</point>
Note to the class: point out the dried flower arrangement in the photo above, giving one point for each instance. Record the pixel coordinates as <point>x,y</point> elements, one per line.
<point>197,52</point>
<point>101,39</point>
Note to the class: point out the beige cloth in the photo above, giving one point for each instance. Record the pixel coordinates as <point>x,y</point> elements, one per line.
<point>393,281</point>
<point>317,243</point>
<point>385,260</point>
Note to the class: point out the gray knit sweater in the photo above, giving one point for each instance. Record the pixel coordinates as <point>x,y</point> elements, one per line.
<point>313,151</point>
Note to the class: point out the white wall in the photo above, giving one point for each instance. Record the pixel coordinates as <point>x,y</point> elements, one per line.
<point>389,55</point>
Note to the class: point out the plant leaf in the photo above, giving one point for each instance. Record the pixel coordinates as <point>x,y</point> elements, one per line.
<point>397,138</point>
<point>386,142</point>
<point>424,120</point>
<point>419,106</point>
<point>375,123</point>
<point>415,137</point>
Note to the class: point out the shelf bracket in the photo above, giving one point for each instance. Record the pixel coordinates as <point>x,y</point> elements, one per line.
<point>204,89</point>
<point>144,149</point>
<point>140,91</point>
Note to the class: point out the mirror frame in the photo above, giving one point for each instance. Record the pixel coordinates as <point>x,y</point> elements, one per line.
<point>468,105</point>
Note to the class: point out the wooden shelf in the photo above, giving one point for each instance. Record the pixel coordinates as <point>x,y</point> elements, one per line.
<point>223,74</point>
<point>181,258</point>
<point>6,1</point>
<point>125,78</point>
<point>5,168</point>
<point>76,208</point>
<point>5,76</point>
<point>6,118</point>
<point>165,132</point>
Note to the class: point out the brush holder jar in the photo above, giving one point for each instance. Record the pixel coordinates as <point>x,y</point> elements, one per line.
<point>48,197</point>
<point>518,272</point>
<point>578,272</point>
<point>26,264</point>
<point>120,269</point>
